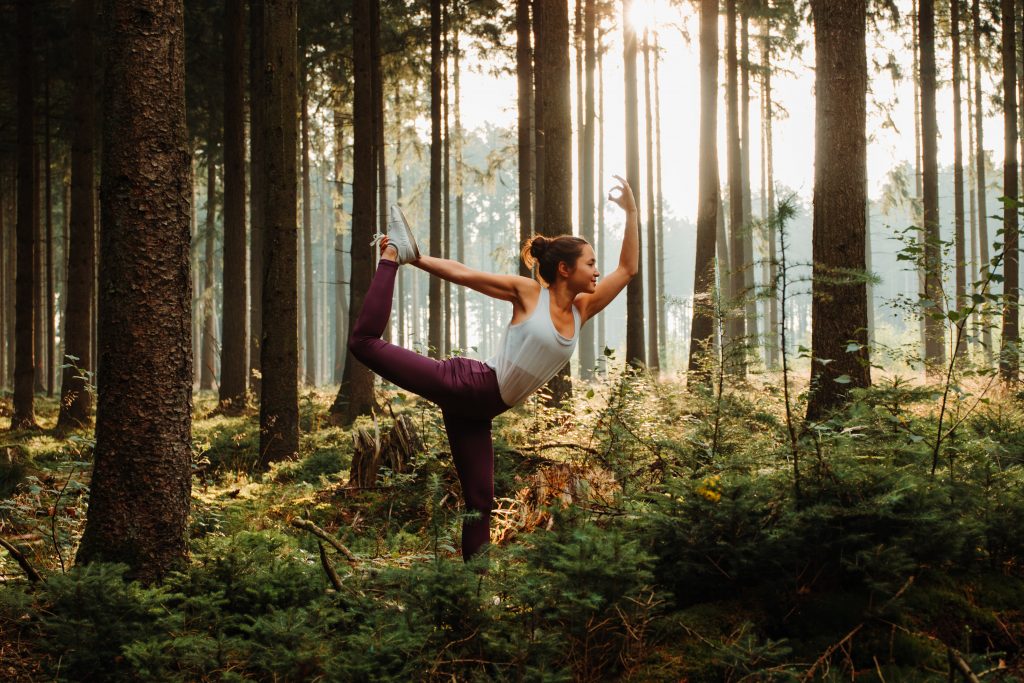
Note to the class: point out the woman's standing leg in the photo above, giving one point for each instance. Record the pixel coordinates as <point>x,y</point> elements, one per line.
<point>473,453</point>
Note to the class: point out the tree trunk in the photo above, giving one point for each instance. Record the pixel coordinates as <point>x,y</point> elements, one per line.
<point>555,216</point>
<point>524,76</point>
<point>735,354</point>
<point>662,320</point>
<point>772,333</point>
<point>958,173</point>
<point>279,404</point>
<point>141,480</point>
<point>979,165</point>
<point>24,368</point>
<point>653,361</point>
<point>702,330</point>
<point>935,342</point>
<point>839,300</point>
<point>341,301</point>
<point>209,353</point>
<point>460,218</point>
<point>635,348</point>
<point>916,79</point>
<point>307,231</point>
<point>446,185</point>
<point>973,195</point>
<point>355,395</point>
<point>435,314</point>
<point>539,130</point>
<point>234,345</point>
<point>601,247</point>
<point>587,356</point>
<point>1009,355</point>
<point>257,198</point>
<point>38,277</point>
<point>51,337</point>
<point>749,283</point>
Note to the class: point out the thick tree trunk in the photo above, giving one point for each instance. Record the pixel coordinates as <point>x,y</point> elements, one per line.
<point>1009,354</point>
<point>234,344</point>
<point>935,341</point>
<point>735,354</point>
<point>257,196</point>
<point>702,330</point>
<point>279,362</point>
<point>979,165</point>
<point>555,217</point>
<point>587,356</point>
<point>307,233</point>
<point>960,253</point>
<point>209,352</point>
<point>355,396</point>
<point>839,301</point>
<point>653,361</point>
<point>524,76</point>
<point>141,479</point>
<point>635,347</point>
<point>24,369</point>
<point>435,314</point>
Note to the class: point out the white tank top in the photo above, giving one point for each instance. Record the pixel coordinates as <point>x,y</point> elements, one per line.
<point>531,352</point>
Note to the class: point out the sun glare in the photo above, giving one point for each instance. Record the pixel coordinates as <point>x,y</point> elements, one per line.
<point>643,14</point>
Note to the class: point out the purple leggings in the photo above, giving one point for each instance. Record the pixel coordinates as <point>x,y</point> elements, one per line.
<point>465,389</point>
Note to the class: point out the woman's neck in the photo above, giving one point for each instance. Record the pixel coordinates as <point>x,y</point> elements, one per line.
<point>561,297</point>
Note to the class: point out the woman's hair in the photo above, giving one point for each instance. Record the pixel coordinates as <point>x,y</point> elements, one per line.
<point>548,252</point>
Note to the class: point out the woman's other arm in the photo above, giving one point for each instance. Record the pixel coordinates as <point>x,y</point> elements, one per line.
<point>629,258</point>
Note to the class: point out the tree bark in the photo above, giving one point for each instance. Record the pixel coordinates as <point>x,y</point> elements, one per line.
<point>1009,354</point>
<point>935,342</point>
<point>279,362</point>
<point>660,215</point>
<point>234,344</point>
<point>772,333</point>
<point>435,315</point>
<point>601,246</point>
<point>38,277</point>
<point>257,198</point>
<point>524,78</point>
<point>355,395</point>
<point>553,74</point>
<point>307,230</point>
<point>960,253</point>
<point>735,355</point>
<point>839,300</point>
<point>209,353</point>
<point>979,165</point>
<point>635,347</point>
<point>749,283</point>
<point>587,355</point>
<point>341,310</point>
<point>460,218</point>
<point>141,480</point>
<point>653,361</point>
<point>51,337</point>
<point>702,330</point>
<point>23,415</point>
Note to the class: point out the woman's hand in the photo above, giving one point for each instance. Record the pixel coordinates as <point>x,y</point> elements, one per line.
<point>625,197</point>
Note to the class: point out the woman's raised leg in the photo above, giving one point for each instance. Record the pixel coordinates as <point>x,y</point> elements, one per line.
<point>408,369</point>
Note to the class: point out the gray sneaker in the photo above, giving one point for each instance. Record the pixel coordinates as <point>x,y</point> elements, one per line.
<point>399,236</point>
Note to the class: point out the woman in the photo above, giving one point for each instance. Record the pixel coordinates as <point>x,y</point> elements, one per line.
<point>539,340</point>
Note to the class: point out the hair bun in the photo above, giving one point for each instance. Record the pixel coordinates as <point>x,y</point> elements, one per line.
<point>538,245</point>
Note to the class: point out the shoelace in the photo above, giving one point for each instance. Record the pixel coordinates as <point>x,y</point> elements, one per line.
<point>377,239</point>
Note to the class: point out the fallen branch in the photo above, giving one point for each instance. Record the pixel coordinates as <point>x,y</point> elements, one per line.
<point>549,446</point>
<point>312,528</point>
<point>956,660</point>
<point>828,653</point>
<point>331,574</point>
<point>29,570</point>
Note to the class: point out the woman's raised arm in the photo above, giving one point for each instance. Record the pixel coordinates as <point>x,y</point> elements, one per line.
<point>629,257</point>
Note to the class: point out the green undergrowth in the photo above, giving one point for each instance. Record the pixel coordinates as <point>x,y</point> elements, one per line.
<point>715,556</point>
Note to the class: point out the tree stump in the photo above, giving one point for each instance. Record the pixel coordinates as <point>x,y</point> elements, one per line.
<point>370,451</point>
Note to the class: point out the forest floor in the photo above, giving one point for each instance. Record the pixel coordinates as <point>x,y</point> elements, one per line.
<point>644,534</point>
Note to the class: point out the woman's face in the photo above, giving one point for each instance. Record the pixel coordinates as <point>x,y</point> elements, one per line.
<point>583,277</point>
